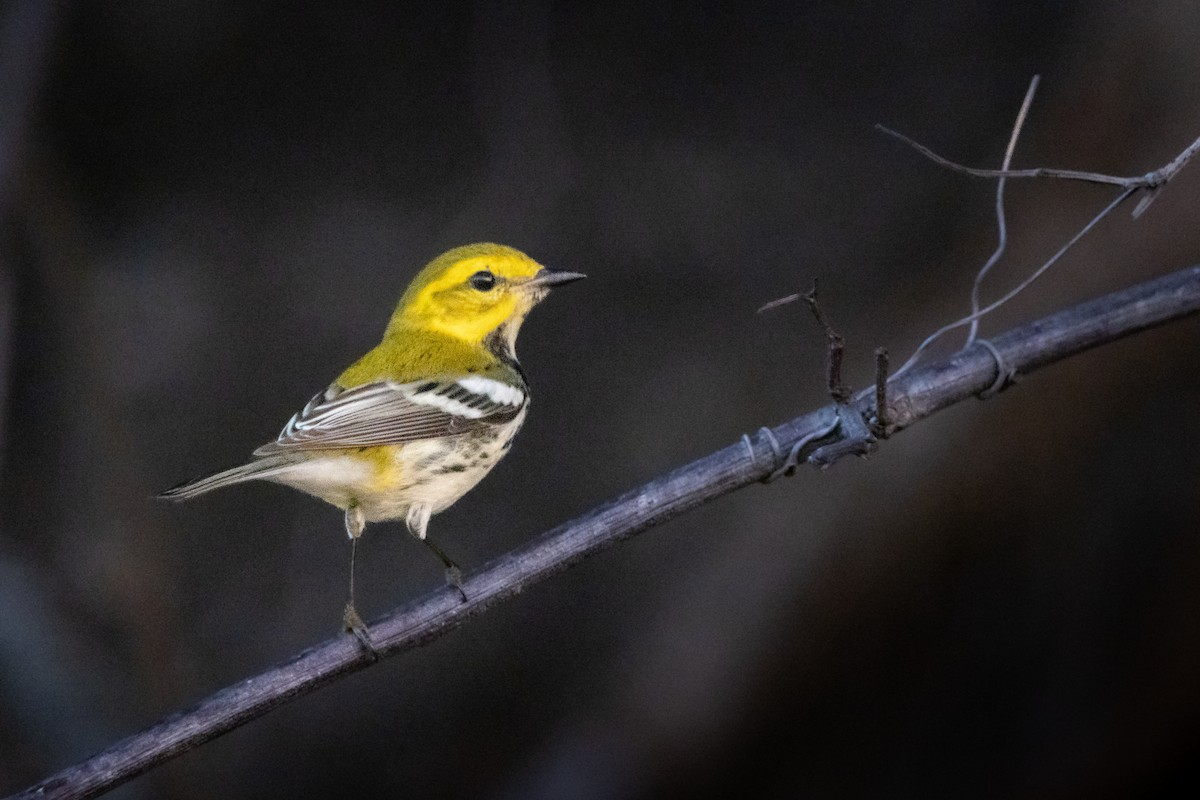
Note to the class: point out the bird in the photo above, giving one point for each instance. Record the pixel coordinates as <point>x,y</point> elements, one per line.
<point>419,420</point>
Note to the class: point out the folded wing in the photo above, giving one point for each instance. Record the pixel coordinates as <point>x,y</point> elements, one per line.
<point>388,413</point>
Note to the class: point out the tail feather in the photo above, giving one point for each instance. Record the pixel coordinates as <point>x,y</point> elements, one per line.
<point>260,468</point>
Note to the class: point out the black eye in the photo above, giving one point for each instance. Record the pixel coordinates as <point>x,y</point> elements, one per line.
<point>483,281</point>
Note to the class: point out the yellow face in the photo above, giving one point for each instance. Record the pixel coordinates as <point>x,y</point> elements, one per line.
<point>471,291</point>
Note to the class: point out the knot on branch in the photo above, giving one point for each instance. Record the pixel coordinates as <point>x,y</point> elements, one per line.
<point>855,439</point>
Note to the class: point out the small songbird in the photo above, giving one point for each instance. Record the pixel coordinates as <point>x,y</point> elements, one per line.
<point>418,421</point>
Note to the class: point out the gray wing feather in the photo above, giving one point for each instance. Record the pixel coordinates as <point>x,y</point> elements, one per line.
<point>394,413</point>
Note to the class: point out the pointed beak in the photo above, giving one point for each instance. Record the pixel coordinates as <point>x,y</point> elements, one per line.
<point>547,277</point>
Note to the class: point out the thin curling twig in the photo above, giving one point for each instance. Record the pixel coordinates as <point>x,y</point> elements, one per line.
<point>1001,221</point>
<point>1016,290</point>
<point>1150,183</point>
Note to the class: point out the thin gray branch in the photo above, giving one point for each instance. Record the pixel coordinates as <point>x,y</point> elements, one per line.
<point>1151,180</point>
<point>918,395</point>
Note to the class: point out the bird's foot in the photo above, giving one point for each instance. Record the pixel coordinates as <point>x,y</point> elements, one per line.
<point>454,577</point>
<point>353,623</point>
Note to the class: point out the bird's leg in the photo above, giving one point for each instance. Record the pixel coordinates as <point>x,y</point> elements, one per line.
<point>355,523</point>
<point>417,520</point>
<point>453,573</point>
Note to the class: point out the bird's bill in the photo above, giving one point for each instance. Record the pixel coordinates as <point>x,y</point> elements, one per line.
<point>547,277</point>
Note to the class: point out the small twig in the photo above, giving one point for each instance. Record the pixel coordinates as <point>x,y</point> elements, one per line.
<point>782,301</point>
<point>1151,180</point>
<point>882,417</point>
<point>837,344</point>
<point>1001,222</point>
<point>837,348</point>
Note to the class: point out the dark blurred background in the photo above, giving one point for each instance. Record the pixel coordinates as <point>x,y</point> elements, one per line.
<point>210,208</point>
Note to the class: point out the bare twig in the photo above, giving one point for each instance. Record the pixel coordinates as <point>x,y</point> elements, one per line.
<point>1001,222</point>
<point>1016,290</point>
<point>837,349</point>
<point>918,396</point>
<point>781,301</point>
<point>1151,180</point>
<point>883,423</point>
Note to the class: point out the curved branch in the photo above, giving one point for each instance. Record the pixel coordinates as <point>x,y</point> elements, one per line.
<point>918,395</point>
